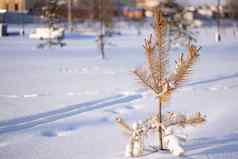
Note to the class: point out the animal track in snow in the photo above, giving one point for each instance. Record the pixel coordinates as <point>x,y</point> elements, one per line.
<point>37,95</point>
<point>74,70</point>
<point>86,70</point>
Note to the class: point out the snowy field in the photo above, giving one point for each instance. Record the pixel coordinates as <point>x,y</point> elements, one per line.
<point>60,103</point>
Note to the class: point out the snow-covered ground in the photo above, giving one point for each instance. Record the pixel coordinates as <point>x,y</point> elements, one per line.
<point>60,103</point>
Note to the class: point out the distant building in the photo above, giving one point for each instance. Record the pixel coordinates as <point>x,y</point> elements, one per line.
<point>16,11</point>
<point>17,5</point>
<point>147,4</point>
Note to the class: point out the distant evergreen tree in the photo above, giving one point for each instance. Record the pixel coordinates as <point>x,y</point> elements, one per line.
<point>179,27</point>
<point>51,11</point>
<point>232,6</point>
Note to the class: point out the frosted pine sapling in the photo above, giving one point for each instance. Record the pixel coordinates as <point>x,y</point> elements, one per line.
<point>155,77</point>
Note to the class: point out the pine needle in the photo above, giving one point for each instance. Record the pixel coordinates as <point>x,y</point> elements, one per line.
<point>145,80</point>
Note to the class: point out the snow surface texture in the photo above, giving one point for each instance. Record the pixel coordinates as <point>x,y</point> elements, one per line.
<point>59,103</point>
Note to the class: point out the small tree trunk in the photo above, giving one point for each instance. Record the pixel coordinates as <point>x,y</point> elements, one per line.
<point>160,129</point>
<point>50,34</point>
<point>101,39</point>
<point>102,46</point>
<point>218,38</point>
<point>101,36</point>
<point>70,23</point>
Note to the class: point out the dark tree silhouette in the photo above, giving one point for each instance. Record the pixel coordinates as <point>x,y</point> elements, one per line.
<point>51,12</point>
<point>103,13</point>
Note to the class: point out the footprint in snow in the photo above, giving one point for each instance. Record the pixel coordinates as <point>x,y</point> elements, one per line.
<point>122,110</point>
<point>118,111</point>
<point>34,95</point>
<point>3,144</point>
<point>186,89</point>
<point>91,93</point>
<point>129,107</point>
<point>9,96</point>
<point>68,70</point>
<point>84,71</point>
<point>128,93</point>
<point>58,132</point>
<point>88,93</point>
<point>109,72</point>
<point>137,106</point>
<point>111,112</point>
<point>73,94</point>
<point>96,68</point>
<point>30,95</point>
<point>218,88</point>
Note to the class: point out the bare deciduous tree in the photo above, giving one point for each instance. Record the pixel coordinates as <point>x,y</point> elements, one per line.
<point>104,15</point>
